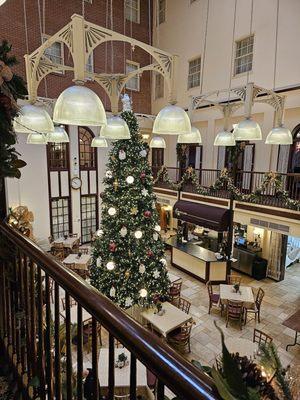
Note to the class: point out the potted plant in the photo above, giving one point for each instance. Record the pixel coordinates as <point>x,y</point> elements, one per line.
<point>121,361</point>
<point>236,287</point>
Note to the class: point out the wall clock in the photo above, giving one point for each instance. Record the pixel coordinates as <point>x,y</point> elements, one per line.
<point>76,183</point>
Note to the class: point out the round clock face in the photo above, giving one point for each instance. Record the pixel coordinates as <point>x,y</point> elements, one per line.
<point>76,183</point>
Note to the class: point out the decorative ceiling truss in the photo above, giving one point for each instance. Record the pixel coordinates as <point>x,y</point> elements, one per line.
<point>81,38</point>
<point>228,101</point>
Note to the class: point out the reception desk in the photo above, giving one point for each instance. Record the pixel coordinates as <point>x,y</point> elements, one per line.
<point>197,261</point>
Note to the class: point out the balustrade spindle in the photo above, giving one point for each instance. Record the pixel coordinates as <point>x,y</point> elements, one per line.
<point>111,367</point>
<point>79,352</point>
<point>96,388</point>
<point>40,330</point>
<point>160,390</point>
<point>68,348</point>
<point>57,368</point>
<point>132,377</point>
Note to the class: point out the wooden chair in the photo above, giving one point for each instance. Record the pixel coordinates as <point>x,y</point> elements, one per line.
<point>214,298</point>
<point>257,305</point>
<point>75,248</point>
<point>175,291</point>
<point>261,338</point>
<point>234,279</point>
<point>184,305</point>
<point>50,239</point>
<point>84,250</point>
<point>70,266</point>
<point>181,338</point>
<point>121,393</point>
<point>58,251</point>
<point>73,235</point>
<point>235,311</point>
<point>84,273</point>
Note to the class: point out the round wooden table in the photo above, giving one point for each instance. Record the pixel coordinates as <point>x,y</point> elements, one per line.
<point>244,347</point>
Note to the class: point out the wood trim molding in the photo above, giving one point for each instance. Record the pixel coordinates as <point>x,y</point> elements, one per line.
<point>270,211</point>
<point>204,199</point>
<point>167,192</point>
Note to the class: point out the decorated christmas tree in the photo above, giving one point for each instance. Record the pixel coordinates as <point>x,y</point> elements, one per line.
<point>128,256</point>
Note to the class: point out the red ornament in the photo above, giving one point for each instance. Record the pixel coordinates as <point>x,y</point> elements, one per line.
<point>150,253</point>
<point>112,247</point>
<point>143,175</point>
<point>147,214</point>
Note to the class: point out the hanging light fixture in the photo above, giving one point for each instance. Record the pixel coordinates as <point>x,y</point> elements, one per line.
<point>279,135</point>
<point>33,119</point>
<point>36,138</point>
<point>193,137</point>
<point>99,141</point>
<point>58,136</point>
<point>172,120</point>
<point>79,105</point>
<point>116,129</point>
<point>157,142</point>
<point>247,130</point>
<point>225,138</point>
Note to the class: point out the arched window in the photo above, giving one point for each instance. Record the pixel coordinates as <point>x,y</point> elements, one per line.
<point>58,156</point>
<point>295,151</point>
<point>87,154</point>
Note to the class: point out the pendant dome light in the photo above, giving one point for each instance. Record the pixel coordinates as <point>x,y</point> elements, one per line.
<point>225,138</point>
<point>157,142</point>
<point>99,141</point>
<point>58,136</point>
<point>116,129</point>
<point>172,120</point>
<point>36,138</point>
<point>193,137</point>
<point>33,119</point>
<point>247,130</point>
<point>78,105</point>
<point>279,135</point>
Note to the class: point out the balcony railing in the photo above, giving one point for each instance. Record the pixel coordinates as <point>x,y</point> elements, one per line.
<point>31,330</point>
<point>247,182</point>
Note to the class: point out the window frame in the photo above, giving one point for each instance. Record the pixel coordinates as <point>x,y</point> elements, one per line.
<point>137,76</point>
<point>156,88</point>
<point>62,52</point>
<point>161,12</point>
<point>92,167</point>
<point>56,199</point>
<point>82,212</point>
<point>126,4</point>
<point>236,58</point>
<point>194,73</point>
<point>67,157</point>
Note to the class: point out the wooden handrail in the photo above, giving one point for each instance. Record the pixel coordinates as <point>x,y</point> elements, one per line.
<point>186,381</point>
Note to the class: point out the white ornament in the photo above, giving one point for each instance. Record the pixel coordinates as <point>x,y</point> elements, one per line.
<point>122,155</point>
<point>130,179</point>
<point>163,261</point>
<point>123,231</point>
<point>156,274</point>
<point>108,174</point>
<point>143,153</point>
<point>142,269</point>
<point>138,234</point>
<point>155,236</point>
<point>128,302</point>
<point>98,262</point>
<point>145,192</point>
<point>112,211</point>
<point>112,292</point>
<point>143,292</point>
<point>154,205</point>
<point>157,228</point>
<point>99,232</point>
<point>127,102</point>
<point>110,265</point>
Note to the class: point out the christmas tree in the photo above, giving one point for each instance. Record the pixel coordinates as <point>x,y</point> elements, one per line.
<point>128,256</point>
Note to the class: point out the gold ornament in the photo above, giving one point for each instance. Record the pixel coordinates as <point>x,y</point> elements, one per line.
<point>116,184</point>
<point>21,218</point>
<point>134,211</point>
<point>113,158</point>
<point>127,274</point>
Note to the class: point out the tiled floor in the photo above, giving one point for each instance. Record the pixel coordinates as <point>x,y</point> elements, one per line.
<point>281,300</point>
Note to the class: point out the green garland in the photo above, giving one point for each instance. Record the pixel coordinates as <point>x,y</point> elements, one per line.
<point>225,182</point>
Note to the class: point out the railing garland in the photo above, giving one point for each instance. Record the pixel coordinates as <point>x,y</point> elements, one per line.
<point>225,182</point>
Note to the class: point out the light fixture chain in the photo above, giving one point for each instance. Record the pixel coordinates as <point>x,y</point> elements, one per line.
<point>204,47</point>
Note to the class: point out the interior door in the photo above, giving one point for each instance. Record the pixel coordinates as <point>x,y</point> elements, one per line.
<point>157,160</point>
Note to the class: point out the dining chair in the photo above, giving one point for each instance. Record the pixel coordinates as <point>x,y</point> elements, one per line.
<point>180,338</point>
<point>213,298</point>
<point>84,250</point>
<point>69,265</point>
<point>234,311</point>
<point>75,247</point>
<point>73,235</point>
<point>121,393</point>
<point>84,273</point>
<point>184,305</point>
<point>58,251</point>
<point>175,291</point>
<point>234,279</point>
<point>50,239</point>
<point>151,382</point>
<point>255,309</point>
<point>261,337</point>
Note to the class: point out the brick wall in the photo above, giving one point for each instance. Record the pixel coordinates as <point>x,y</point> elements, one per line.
<point>57,14</point>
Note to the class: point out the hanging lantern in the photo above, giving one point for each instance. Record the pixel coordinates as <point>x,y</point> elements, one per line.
<point>172,120</point>
<point>32,118</point>
<point>116,129</point>
<point>193,137</point>
<point>79,105</point>
<point>58,136</point>
<point>247,130</point>
<point>279,135</point>
<point>36,138</point>
<point>157,143</point>
<point>99,142</point>
<point>225,138</point>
